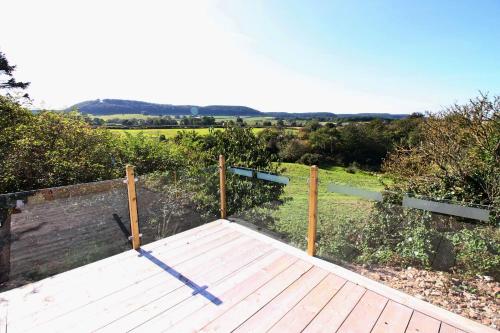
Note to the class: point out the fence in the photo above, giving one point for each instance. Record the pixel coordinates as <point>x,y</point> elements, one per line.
<point>48,231</point>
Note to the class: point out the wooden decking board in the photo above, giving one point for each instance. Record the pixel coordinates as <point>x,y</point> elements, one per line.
<point>245,309</point>
<point>46,292</point>
<point>445,328</point>
<point>219,277</point>
<point>337,310</point>
<point>420,323</point>
<point>75,276</point>
<point>200,270</point>
<point>118,280</point>
<point>198,312</point>
<point>364,315</point>
<point>268,315</point>
<point>134,315</point>
<point>394,319</point>
<point>302,314</point>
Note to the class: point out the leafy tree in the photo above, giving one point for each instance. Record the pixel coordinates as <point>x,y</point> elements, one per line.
<point>458,156</point>
<point>293,150</point>
<point>241,148</point>
<point>7,80</point>
<point>147,153</point>
<point>51,149</point>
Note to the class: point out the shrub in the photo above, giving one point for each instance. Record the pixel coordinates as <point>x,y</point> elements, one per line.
<point>53,149</point>
<point>478,251</point>
<point>310,159</point>
<point>147,154</point>
<point>458,157</point>
<point>293,150</point>
<point>352,168</point>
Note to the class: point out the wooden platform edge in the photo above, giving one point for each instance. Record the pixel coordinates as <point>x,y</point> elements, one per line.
<point>426,308</point>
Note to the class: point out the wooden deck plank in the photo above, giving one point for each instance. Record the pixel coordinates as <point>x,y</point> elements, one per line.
<point>138,315</point>
<point>268,315</point>
<point>337,310</point>
<point>50,288</point>
<point>429,309</point>
<point>394,319</point>
<point>226,321</point>
<point>201,270</point>
<point>197,312</point>
<point>249,282</point>
<point>76,275</point>
<point>114,281</point>
<point>420,323</point>
<point>365,314</point>
<point>262,309</point>
<point>302,314</point>
<point>445,328</point>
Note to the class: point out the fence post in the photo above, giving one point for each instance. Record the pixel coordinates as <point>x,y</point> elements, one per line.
<point>313,211</point>
<point>132,206</point>
<point>5,239</point>
<point>222,176</point>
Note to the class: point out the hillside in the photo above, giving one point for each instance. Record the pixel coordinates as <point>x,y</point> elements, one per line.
<point>101,107</point>
<point>119,106</point>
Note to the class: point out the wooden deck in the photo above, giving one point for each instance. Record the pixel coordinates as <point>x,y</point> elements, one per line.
<point>219,277</point>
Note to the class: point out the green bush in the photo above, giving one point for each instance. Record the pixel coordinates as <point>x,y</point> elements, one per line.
<point>311,159</point>
<point>478,251</point>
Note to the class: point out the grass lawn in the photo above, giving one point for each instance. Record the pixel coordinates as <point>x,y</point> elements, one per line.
<point>291,217</point>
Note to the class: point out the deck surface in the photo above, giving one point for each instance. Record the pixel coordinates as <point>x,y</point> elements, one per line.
<point>219,277</point>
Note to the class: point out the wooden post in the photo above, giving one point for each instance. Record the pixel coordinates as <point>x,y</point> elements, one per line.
<point>222,176</point>
<point>313,211</point>
<point>132,206</point>
<point>5,239</point>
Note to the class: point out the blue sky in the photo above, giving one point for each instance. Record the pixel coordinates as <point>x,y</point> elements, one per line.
<point>298,56</point>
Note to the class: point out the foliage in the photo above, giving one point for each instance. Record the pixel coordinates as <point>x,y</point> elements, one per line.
<point>54,149</point>
<point>478,251</point>
<point>241,148</point>
<point>311,159</point>
<point>293,150</point>
<point>7,80</point>
<point>458,157</point>
<point>147,154</point>
<point>50,149</point>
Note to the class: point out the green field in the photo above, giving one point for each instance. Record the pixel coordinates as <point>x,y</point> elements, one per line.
<point>290,218</point>
<point>248,120</point>
<point>171,132</point>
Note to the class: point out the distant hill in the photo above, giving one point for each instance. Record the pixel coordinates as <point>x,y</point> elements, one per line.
<point>120,106</point>
<point>101,107</point>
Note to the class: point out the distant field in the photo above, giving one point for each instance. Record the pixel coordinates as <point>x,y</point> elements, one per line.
<point>248,120</point>
<point>169,132</point>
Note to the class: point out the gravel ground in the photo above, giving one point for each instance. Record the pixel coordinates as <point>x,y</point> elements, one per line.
<point>477,298</point>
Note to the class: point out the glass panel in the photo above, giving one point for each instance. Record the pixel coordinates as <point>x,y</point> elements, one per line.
<point>175,201</point>
<point>275,204</point>
<point>57,229</point>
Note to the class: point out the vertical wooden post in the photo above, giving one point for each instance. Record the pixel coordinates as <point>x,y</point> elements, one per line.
<point>5,239</point>
<point>222,177</point>
<point>313,211</point>
<point>132,206</point>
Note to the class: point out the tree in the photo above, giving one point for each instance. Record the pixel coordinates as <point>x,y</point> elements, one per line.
<point>458,156</point>
<point>54,149</point>
<point>7,80</point>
